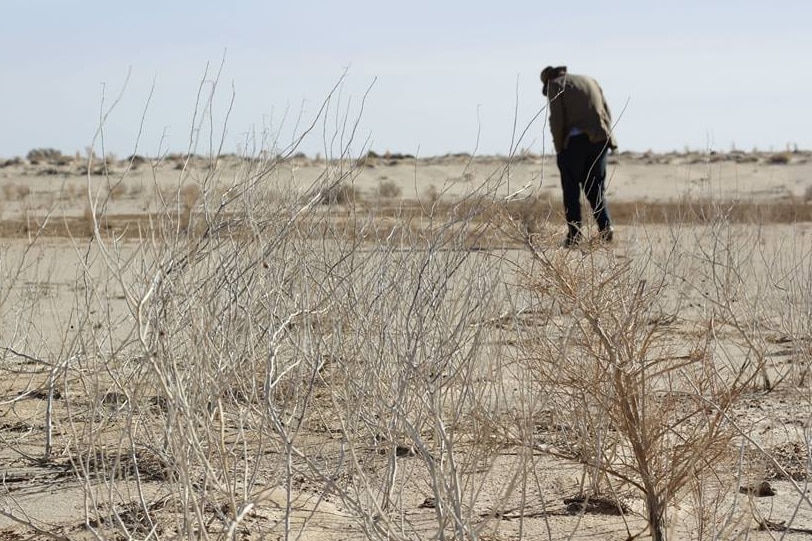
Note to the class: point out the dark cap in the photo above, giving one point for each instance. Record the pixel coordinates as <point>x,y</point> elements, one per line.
<point>551,72</point>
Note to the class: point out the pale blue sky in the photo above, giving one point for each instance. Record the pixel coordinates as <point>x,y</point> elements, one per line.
<point>697,74</point>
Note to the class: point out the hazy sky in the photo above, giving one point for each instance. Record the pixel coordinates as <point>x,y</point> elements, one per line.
<point>441,76</point>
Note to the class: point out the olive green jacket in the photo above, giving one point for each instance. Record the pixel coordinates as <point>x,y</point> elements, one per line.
<point>577,101</point>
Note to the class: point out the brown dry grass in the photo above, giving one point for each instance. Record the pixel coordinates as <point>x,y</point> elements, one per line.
<point>534,213</point>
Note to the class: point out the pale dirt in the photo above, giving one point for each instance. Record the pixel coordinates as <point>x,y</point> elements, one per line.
<point>54,500</point>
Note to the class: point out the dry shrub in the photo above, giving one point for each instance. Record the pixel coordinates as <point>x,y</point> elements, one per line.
<point>780,158</point>
<point>178,204</point>
<point>745,158</point>
<point>388,189</point>
<point>16,191</point>
<point>396,156</point>
<point>117,191</point>
<point>370,160</point>
<point>532,213</point>
<point>640,407</point>
<point>186,196</point>
<point>12,162</point>
<point>85,225</point>
<point>341,194</point>
<point>276,356</point>
<point>43,155</point>
<point>190,195</point>
<point>136,161</point>
<point>431,195</point>
<point>135,189</point>
<point>72,192</point>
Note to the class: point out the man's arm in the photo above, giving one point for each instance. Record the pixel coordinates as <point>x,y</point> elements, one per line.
<point>558,115</point>
<point>605,104</point>
<point>612,143</point>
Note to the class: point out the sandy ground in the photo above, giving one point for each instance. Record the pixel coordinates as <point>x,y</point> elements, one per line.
<point>49,497</point>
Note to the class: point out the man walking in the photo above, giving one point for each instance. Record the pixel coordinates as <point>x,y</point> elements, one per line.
<point>582,135</point>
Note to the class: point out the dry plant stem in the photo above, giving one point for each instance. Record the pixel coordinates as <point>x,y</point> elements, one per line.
<point>29,524</point>
<point>9,282</point>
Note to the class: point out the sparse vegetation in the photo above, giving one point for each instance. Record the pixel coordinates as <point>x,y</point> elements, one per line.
<point>117,191</point>
<point>341,193</point>
<point>15,191</point>
<point>47,155</point>
<point>388,189</point>
<point>780,158</point>
<point>643,409</point>
<point>12,162</point>
<point>248,357</point>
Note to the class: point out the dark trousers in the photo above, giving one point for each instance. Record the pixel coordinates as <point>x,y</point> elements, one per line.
<point>583,167</point>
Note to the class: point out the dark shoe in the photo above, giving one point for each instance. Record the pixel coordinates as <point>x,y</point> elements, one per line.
<point>607,235</point>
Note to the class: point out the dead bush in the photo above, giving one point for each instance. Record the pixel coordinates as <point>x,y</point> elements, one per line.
<point>531,213</point>
<point>780,158</point>
<point>190,195</point>
<point>43,155</point>
<point>12,162</point>
<point>117,191</point>
<point>640,408</point>
<point>16,191</point>
<point>136,161</point>
<point>341,194</point>
<point>431,195</point>
<point>388,189</point>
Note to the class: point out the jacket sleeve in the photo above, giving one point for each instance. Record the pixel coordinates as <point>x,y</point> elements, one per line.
<point>605,104</point>
<point>558,115</point>
<point>612,142</point>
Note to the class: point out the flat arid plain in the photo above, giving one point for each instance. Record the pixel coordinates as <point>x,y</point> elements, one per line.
<point>391,347</point>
